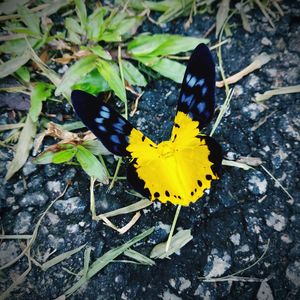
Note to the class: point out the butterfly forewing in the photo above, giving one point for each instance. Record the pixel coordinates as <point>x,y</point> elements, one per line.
<point>197,96</point>
<point>110,127</point>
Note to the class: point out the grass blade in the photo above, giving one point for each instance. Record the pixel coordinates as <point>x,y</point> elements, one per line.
<point>59,258</point>
<point>23,147</point>
<point>105,259</point>
<point>142,259</point>
<point>14,64</point>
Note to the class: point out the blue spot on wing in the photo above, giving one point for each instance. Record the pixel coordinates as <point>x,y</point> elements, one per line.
<point>104,108</point>
<point>102,128</point>
<point>99,120</point>
<point>204,90</point>
<point>188,77</point>
<point>201,107</point>
<point>104,114</point>
<point>192,81</point>
<point>188,100</point>
<point>115,139</point>
<point>200,82</point>
<point>118,127</point>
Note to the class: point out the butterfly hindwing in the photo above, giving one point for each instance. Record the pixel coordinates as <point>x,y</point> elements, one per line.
<point>109,126</point>
<point>197,96</point>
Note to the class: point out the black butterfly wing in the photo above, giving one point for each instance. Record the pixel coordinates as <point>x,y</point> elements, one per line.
<point>197,96</point>
<point>109,126</point>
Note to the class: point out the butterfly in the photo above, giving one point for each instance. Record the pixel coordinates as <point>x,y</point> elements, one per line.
<point>178,170</point>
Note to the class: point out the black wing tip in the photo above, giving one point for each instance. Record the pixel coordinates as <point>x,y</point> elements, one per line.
<point>202,46</point>
<point>79,95</point>
<point>82,100</point>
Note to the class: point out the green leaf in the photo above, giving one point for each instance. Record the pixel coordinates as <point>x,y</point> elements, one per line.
<point>22,149</point>
<point>166,67</point>
<point>92,83</point>
<point>64,155</point>
<point>145,44</point>
<point>108,72</point>
<point>74,31</point>
<point>95,24</point>
<point>30,19</point>
<point>16,47</point>
<point>73,26</point>
<point>123,25</point>
<point>111,36</point>
<point>24,74</point>
<point>96,147</point>
<point>44,158</point>
<point>74,73</point>
<point>163,44</point>
<point>74,38</point>
<point>53,7</point>
<point>98,50</point>
<point>132,74</point>
<point>8,7</point>
<point>81,12</point>
<point>90,164</point>
<point>180,239</point>
<point>177,44</point>
<point>142,5</point>
<point>24,31</point>
<point>40,92</point>
<point>60,154</point>
<point>176,8</point>
<point>14,64</point>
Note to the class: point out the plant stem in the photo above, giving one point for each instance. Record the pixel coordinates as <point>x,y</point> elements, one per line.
<point>173,228</point>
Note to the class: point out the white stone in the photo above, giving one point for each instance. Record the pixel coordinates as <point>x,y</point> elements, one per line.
<point>167,295</point>
<point>184,284</point>
<point>276,221</point>
<point>235,239</point>
<point>266,42</point>
<point>293,273</point>
<point>219,264</point>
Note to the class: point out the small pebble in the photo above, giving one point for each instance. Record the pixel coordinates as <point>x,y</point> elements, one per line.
<point>29,168</point>
<point>74,205</point>
<point>218,262</point>
<point>293,273</point>
<point>34,199</point>
<point>23,222</point>
<point>257,183</point>
<point>266,42</point>
<point>276,221</point>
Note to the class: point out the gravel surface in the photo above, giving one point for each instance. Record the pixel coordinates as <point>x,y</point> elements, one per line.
<point>245,214</point>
